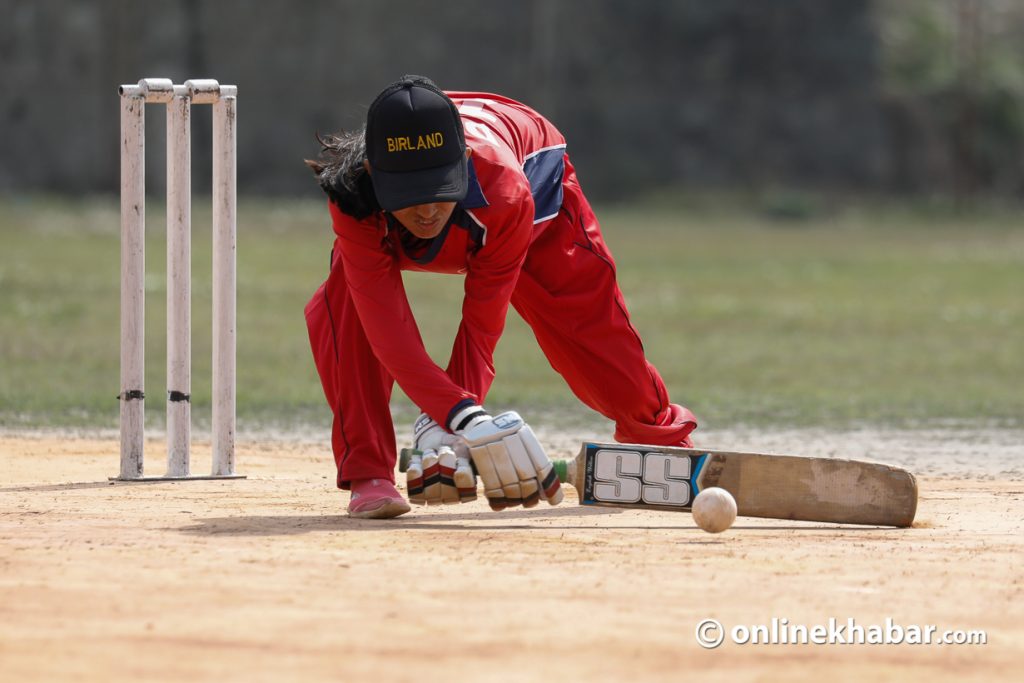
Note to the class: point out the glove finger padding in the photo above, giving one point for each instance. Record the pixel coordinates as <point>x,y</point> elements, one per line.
<point>439,477</point>
<point>529,489</point>
<point>414,478</point>
<point>550,487</point>
<point>431,477</point>
<point>465,478</point>
<point>446,467</point>
<point>494,484</point>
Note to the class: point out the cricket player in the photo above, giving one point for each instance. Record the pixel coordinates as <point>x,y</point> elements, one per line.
<point>477,185</point>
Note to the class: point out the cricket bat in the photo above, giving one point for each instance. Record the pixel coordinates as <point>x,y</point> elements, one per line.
<point>774,486</point>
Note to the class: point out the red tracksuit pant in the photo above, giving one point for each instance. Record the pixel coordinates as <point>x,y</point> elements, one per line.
<point>566,292</point>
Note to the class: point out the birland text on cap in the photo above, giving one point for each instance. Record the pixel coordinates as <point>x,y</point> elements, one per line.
<point>415,145</point>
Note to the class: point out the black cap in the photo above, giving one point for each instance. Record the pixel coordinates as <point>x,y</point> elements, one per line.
<point>415,145</point>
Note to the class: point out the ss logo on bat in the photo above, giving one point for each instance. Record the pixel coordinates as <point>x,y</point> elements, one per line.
<point>622,476</point>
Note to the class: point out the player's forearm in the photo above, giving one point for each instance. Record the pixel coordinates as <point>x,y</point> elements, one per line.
<point>397,344</point>
<point>472,361</point>
<point>391,331</point>
<point>484,310</point>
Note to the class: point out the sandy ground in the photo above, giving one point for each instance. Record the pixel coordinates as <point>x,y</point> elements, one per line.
<point>266,579</point>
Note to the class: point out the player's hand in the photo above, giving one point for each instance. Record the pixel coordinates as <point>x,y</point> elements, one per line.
<point>508,458</point>
<point>427,435</point>
<point>440,476</point>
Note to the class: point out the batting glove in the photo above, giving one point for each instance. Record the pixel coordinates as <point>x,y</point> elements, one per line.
<point>512,463</point>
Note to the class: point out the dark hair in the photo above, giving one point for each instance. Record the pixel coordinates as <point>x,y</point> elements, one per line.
<point>340,172</point>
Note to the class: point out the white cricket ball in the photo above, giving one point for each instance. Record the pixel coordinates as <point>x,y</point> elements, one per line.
<point>714,510</point>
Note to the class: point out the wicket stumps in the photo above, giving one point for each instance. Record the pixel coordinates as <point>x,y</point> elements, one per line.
<point>179,100</point>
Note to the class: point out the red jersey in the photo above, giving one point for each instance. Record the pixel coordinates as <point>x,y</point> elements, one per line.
<point>515,187</point>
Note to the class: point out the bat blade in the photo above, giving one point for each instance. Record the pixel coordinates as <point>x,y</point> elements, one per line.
<point>772,486</point>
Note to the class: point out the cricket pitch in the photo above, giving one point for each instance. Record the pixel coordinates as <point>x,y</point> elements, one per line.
<point>267,579</point>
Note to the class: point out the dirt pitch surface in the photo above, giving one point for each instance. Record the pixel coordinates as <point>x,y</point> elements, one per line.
<point>266,579</point>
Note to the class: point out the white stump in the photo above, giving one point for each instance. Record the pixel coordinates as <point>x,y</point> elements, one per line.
<point>133,274</point>
<point>179,282</point>
<point>224,280</point>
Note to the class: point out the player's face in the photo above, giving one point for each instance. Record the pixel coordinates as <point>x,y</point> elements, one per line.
<point>425,220</point>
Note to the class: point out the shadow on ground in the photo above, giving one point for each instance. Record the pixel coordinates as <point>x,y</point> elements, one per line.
<point>286,525</point>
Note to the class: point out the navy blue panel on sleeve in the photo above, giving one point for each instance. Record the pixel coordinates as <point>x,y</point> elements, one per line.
<point>475,194</point>
<point>544,170</point>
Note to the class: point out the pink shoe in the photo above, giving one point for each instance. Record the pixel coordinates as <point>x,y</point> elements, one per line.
<point>376,499</point>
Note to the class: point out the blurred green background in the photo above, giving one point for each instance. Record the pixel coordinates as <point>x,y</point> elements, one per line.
<point>814,204</point>
<point>867,313</point>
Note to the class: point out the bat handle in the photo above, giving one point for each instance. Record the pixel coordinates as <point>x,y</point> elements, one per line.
<point>561,470</point>
<point>403,458</point>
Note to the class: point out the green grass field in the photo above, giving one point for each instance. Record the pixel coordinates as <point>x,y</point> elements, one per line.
<point>847,317</point>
